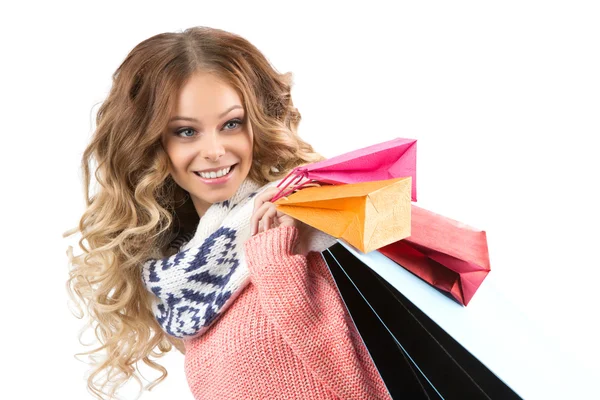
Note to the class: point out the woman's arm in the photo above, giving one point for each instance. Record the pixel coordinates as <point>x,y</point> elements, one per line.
<point>299,296</point>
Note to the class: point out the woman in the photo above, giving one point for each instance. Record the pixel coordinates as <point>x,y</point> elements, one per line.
<point>181,245</point>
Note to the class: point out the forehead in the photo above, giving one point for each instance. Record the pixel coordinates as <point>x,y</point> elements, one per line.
<point>205,95</point>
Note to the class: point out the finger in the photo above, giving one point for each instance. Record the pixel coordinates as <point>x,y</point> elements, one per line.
<point>261,198</point>
<point>268,216</point>
<point>265,215</point>
<point>259,227</point>
<point>275,222</point>
<point>257,216</point>
<point>284,219</point>
<point>264,196</point>
<point>253,225</point>
<point>254,221</point>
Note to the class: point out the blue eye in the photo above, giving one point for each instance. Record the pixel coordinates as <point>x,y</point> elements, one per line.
<point>236,122</point>
<point>180,131</point>
<point>190,132</point>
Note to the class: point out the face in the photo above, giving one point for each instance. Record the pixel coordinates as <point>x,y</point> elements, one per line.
<point>208,141</point>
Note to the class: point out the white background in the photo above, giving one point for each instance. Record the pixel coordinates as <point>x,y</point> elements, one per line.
<point>503,98</point>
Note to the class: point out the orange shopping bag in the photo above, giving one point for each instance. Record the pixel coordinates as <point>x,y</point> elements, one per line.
<point>367,215</point>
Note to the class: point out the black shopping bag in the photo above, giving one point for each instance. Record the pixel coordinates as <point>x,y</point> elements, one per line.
<point>415,357</point>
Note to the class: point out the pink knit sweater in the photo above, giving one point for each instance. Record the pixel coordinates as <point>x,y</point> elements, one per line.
<point>287,336</point>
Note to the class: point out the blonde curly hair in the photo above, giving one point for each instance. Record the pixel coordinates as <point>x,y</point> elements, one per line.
<point>137,208</point>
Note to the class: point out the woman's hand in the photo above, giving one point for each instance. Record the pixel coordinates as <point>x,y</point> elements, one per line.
<point>265,215</point>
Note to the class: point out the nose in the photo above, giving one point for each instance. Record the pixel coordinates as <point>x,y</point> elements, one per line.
<point>212,148</point>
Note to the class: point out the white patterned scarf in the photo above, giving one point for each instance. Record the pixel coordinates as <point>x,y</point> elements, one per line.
<point>195,286</point>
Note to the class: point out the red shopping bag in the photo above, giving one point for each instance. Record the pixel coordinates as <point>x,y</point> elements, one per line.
<point>447,254</point>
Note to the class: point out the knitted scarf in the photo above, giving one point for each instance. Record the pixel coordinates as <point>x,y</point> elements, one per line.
<point>196,285</point>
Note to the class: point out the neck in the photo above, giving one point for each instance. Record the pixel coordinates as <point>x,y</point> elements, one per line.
<point>200,206</point>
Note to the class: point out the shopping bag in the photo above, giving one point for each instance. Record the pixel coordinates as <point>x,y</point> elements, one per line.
<point>395,158</point>
<point>415,357</point>
<point>367,215</point>
<point>448,254</point>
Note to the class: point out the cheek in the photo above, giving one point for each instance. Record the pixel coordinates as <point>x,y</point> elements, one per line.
<point>180,157</point>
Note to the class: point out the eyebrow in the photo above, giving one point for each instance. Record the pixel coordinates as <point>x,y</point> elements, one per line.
<point>177,117</point>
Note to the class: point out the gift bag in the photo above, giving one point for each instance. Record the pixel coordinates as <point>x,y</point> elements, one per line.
<point>392,159</point>
<point>449,255</point>
<point>367,215</point>
<point>415,357</point>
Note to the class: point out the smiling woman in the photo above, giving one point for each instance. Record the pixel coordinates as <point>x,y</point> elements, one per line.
<point>212,154</point>
<point>182,246</point>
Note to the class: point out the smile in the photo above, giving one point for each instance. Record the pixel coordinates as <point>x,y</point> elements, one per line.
<point>216,176</point>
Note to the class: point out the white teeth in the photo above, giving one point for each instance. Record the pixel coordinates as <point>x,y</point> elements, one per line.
<point>213,175</point>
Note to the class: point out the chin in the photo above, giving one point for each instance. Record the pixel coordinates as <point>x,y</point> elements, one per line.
<point>221,197</point>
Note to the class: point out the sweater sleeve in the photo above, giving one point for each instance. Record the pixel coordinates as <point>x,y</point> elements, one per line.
<point>299,296</point>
